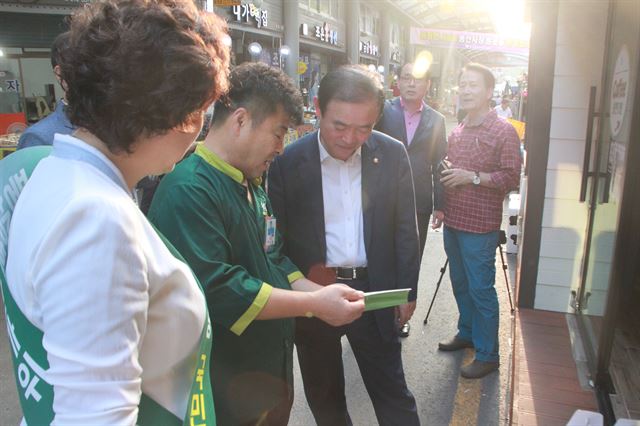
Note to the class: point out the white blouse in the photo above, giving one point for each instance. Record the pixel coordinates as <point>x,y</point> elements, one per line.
<point>120,314</point>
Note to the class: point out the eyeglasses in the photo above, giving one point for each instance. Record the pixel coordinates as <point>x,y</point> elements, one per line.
<point>410,78</point>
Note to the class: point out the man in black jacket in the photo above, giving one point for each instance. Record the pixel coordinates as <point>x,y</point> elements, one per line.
<point>422,130</point>
<point>343,198</point>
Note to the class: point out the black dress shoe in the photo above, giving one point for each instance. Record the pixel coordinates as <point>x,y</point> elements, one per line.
<point>478,369</point>
<point>404,330</point>
<point>455,344</point>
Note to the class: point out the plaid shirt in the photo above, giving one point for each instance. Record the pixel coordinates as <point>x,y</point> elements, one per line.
<point>492,147</point>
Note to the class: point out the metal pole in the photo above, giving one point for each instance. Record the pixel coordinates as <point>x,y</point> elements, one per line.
<point>442,271</point>
<point>506,279</point>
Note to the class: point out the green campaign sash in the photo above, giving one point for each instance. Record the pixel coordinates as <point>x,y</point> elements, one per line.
<point>29,356</point>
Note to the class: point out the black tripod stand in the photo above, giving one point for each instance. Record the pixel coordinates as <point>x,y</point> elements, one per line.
<point>502,239</point>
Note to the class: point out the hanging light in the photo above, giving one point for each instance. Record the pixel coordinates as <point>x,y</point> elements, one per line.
<point>255,48</point>
<point>285,50</point>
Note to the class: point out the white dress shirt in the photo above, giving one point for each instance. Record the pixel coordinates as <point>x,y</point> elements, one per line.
<point>343,222</point>
<point>504,113</point>
<point>120,314</point>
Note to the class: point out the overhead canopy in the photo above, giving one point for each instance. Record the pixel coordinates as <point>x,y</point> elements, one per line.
<point>459,15</point>
<point>447,14</point>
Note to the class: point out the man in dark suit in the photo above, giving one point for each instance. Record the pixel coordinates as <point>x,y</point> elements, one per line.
<point>344,201</point>
<point>422,130</point>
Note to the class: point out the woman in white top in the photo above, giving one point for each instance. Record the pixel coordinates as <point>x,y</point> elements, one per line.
<point>121,317</point>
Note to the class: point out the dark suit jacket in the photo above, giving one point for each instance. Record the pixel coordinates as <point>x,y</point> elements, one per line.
<point>42,132</point>
<point>388,208</point>
<point>428,147</point>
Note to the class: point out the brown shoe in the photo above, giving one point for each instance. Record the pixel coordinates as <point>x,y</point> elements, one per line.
<point>478,369</point>
<point>455,344</point>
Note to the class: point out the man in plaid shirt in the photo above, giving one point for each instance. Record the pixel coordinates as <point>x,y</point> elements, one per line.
<point>484,153</point>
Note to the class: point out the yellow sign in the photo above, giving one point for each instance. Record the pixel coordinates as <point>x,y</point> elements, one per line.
<point>302,67</point>
<point>519,126</point>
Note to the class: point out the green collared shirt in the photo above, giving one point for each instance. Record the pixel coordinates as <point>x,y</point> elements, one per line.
<point>216,220</point>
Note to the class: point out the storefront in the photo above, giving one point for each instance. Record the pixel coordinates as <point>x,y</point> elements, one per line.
<point>370,28</point>
<point>369,51</point>
<point>326,34</point>
<point>580,242</point>
<point>322,43</point>
<point>28,89</point>
<point>322,49</point>
<point>256,32</point>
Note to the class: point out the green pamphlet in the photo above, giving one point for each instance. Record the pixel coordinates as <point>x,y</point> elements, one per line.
<point>385,299</point>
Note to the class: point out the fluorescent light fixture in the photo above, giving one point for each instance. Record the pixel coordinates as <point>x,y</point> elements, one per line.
<point>255,48</point>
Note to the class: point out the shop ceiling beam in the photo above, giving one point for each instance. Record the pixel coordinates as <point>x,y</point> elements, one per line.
<point>397,6</point>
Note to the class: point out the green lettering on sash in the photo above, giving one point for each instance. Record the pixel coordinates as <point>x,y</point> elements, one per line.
<point>29,356</point>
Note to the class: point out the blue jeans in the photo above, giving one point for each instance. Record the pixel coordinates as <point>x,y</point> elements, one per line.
<point>472,270</point>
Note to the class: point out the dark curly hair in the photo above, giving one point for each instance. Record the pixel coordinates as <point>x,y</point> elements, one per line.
<point>138,68</point>
<point>260,89</point>
<point>60,43</point>
<point>350,83</point>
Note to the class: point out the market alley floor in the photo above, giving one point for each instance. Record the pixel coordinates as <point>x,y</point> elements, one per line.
<point>442,396</point>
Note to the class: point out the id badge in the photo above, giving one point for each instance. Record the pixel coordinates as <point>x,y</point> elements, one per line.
<point>269,232</point>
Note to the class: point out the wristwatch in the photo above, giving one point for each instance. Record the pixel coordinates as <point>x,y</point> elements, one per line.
<point>476,179</point>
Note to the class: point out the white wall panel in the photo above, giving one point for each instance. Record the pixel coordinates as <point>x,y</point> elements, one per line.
<point>552,298</point>
<point>568,123</point>
<point>566,154</point>
<point>563,184</point>
<point>558,272</point>
<point>562,243</point>
<point>559,213</point>
<point>571,91</point>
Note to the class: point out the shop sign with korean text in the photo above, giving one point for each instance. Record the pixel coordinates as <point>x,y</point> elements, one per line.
<point>321,32</point>
<point>249,12</point>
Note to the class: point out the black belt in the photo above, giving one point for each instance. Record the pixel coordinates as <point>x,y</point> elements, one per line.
<point>346,273</point>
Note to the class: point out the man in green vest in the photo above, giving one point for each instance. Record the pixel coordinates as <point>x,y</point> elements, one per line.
<point>213,209</point>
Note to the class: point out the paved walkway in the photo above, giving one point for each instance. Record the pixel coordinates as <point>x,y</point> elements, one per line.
<point>443,397</point>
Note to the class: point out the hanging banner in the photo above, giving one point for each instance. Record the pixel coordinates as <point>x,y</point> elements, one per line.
<point>467,40</point>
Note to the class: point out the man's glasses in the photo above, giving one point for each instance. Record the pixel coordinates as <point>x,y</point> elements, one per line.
<point>409,78</point>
